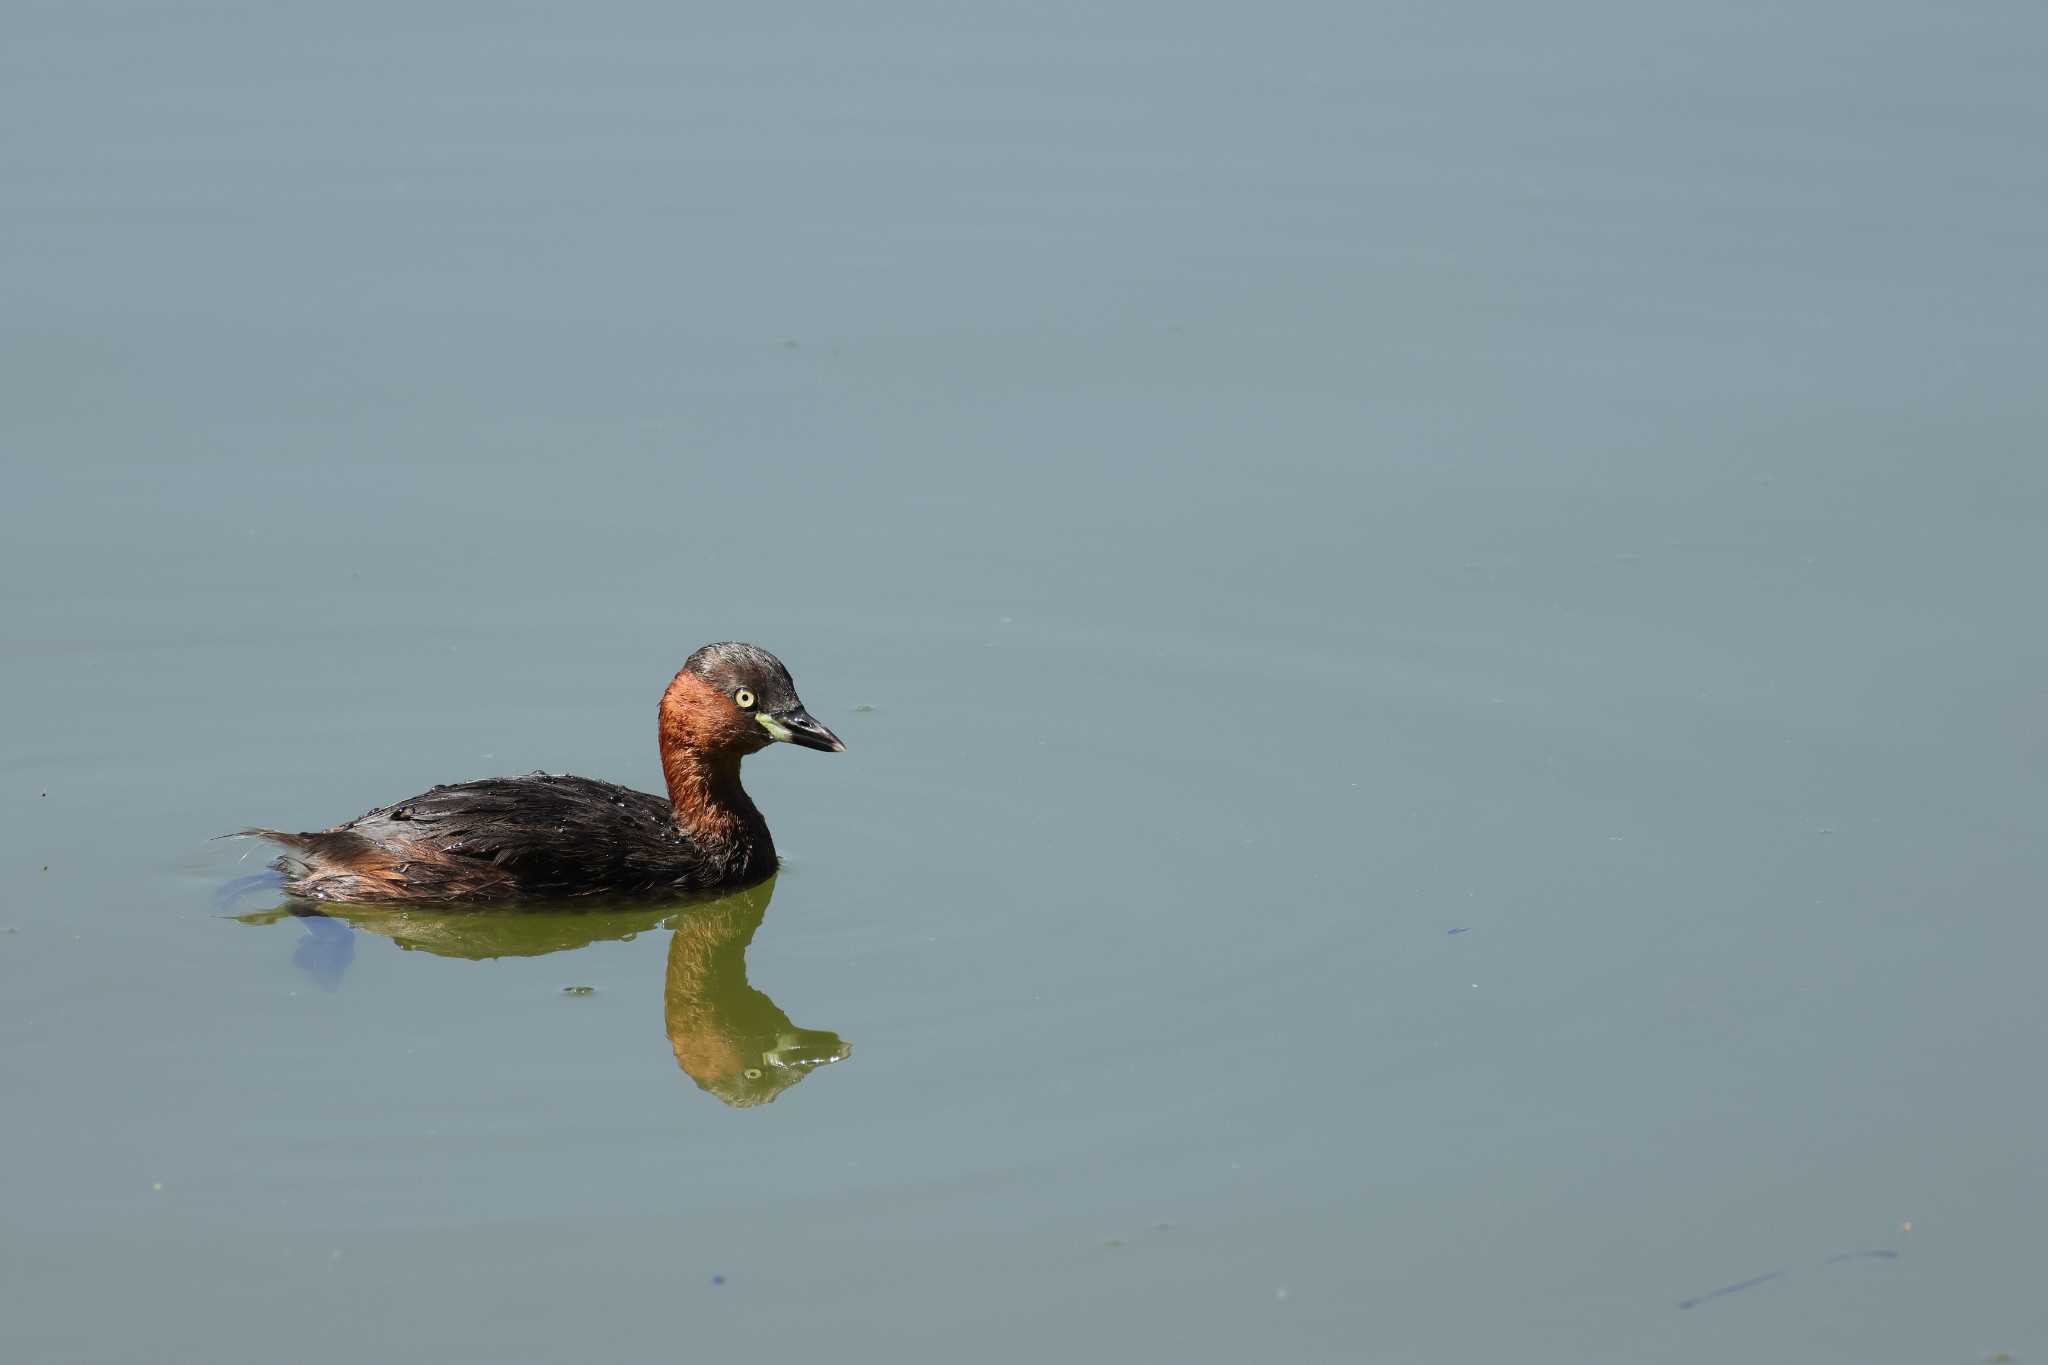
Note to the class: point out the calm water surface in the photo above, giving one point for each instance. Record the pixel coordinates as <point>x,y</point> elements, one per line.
<point>1436,615</point>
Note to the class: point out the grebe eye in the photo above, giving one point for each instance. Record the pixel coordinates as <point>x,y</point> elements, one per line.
<point>743,698</point>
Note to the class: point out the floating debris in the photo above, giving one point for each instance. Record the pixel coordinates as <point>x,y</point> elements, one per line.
<point>1880,1254</point>
<point>578,990</point>
<point>1458,931</point>
<point>718,1279</point>
<point>1765,1278</point>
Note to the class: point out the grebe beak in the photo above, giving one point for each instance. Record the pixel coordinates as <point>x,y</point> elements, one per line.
<point>799,727</point>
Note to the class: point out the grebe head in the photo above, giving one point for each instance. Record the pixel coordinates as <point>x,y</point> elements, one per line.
<point>755,702</point>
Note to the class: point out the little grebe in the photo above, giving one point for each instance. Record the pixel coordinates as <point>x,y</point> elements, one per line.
<point>509,838</point>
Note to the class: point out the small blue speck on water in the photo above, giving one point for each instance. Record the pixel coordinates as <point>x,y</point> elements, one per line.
<point>718,1279</point>
<point>1457,931</point>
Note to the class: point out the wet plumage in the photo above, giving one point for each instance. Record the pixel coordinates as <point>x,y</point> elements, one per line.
<point>554,836</point>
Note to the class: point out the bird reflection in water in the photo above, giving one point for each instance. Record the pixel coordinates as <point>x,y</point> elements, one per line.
<point>728,1037</point>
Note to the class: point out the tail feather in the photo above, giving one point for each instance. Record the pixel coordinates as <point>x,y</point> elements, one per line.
<point>334,864</point>
<point>291,863</point>
<point>345,865</point>
<point>259,832</point>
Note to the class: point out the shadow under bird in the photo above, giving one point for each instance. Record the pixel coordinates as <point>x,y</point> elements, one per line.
<point>550,836</point>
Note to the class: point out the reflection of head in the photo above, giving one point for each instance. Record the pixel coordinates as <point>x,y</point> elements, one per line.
<point>729,1037</point>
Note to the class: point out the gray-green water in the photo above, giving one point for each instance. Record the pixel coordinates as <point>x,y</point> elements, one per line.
<point>1450,606</point>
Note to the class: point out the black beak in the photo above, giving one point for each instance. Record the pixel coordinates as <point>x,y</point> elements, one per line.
<point>805,730</point>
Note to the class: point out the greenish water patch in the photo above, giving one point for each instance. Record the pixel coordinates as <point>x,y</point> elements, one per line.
<point>728,1037</point>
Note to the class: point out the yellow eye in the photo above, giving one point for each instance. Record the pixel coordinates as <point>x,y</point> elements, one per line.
<point>743,698</point>
<point>753,1073</point>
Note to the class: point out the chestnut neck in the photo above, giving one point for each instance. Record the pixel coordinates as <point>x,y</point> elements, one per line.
<point>700,758</point>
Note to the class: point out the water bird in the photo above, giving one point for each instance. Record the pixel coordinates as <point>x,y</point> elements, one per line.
<point>552,836</point>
